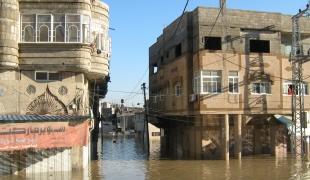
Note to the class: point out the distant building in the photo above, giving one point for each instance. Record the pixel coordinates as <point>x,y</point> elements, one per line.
<point>213,83</point>
<point>155,133</point>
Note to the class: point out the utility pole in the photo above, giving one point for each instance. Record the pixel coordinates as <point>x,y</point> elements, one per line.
<point>146,121</point>
<point>223,5</point>
<point>297,59</point>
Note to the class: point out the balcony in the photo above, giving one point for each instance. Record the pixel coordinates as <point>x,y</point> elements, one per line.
<point>64,42</point>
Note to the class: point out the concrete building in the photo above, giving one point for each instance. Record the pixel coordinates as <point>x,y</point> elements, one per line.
<point>54,57</point>
<point>217,88</point>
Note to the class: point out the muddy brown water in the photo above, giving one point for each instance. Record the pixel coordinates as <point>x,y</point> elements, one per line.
<point>125,159</point>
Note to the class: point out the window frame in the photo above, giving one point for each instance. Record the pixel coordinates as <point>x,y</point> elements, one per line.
<point>211,77</point>
<point>47,76</point>
<point>178,89</point>
<point>79,28</point>
<point>50,30</point>
<point>213,39</point>
<point>51,33</point>
<point>33,27</point>
<point>305,87</point>
<point>54,28</point>
<point>234,78</point>
<point>260,87</point>
<point>197,82</point>
<point>259,41</point>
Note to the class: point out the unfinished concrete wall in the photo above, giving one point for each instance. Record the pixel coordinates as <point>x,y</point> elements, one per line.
<point>236,32</point>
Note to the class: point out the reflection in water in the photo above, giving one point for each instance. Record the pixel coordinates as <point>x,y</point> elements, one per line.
<point>125,159</point>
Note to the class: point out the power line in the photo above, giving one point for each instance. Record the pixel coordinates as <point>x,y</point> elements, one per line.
<point>125,92</point>
<point>179,22</point>
<point>137,84</point>
<point>216,19</point>
<point>141,79</point>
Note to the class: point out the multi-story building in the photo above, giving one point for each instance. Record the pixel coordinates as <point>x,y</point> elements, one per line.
<point>219,83</point>
<point>54,57</point>
<point>54,52</point>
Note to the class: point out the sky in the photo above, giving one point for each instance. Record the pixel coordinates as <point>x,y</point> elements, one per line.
<point>135,25</point>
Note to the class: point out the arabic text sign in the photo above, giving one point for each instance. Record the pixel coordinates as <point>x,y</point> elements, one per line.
<point>17,136</point>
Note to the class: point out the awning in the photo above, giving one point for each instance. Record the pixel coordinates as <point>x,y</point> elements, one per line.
<point>284,119</point>
<point>40,118</point>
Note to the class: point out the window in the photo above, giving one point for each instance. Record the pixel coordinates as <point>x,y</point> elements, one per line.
<point>85,29</point>
<point>155,133</point>
<point>162,60</point>
<point>102,42</point>
<point>213,43</point>
<point>260,46</point>
<point>73,30</point>
<point>233,81</point>
<point>197,83</point>
<point>178,89</point>
<point>53,76</point>
<point>162,94</point>
<point>211,81</point>
<point>28,28</point>
<point>41,76</point>
<point>29,34</point>
<point>154,97</point>
<point>167,54</point>
<point>261,88</point>
<point>55,28</point>
<point>178,50</point>
<point>44,28</point>
<point>288,50</point>
<point>155,68</point>
<point>288,88</point>
<point>59,28</point>
<point>47,76</point>
<point>43,34</point>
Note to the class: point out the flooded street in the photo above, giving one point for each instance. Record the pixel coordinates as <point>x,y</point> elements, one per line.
<point>125,159</point>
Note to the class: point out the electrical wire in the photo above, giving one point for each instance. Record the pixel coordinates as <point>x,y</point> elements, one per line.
<point>137,84</point>
<point>217,17</point>
<point>125,92</point>
<point>179,22</point>
<point>133,94</point>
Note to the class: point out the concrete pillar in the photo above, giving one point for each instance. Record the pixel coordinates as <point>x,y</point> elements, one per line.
<point>273,139</point>
<point>238,136</point>
<point>307,142</point>
<point>226,138</point>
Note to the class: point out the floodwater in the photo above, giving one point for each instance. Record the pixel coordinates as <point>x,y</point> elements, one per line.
<point>125,159</point>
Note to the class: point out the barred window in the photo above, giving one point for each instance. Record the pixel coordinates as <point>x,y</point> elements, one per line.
<point>55,28</point>
<point>28,28</point>
<point>59,28</point>
<point>72,26</point>
<point>44,28</point>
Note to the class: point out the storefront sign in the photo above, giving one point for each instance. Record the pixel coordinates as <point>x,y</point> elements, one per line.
<point>17,136</point>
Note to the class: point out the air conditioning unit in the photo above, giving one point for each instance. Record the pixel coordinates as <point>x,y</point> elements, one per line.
<point>193,97</point>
